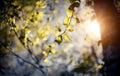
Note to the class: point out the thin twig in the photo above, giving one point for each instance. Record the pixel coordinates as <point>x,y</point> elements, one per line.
<point>31,54</point>
<point>68,24</point>
<point>28,62</point>
<point>28,49</point>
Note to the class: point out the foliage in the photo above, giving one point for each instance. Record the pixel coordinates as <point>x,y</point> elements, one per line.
<point>33,26</point>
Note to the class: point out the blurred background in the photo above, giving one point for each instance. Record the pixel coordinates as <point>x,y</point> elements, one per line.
<point>48,38</point>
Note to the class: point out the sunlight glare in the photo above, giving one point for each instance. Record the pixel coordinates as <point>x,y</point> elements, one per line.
<point>93,29</point>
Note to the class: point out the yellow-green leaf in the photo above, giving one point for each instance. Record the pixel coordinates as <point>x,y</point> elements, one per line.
<point>40,15</point>
<point>52,50</point>
<point>70,28</point>
<point>99,66</point>
<point>66,20</point>
<point>36,41</point>
<point>56,1</point>
<point>52,44</point>
<point>45,53</point>
<point>69,12</point>
<point>47,47</point>
<point>59,39</point>
<point>66,37</point>
<point>46,60</point>
<point>41,4</point>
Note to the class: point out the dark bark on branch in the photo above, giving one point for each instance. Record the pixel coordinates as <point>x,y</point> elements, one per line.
<point>109,20</point>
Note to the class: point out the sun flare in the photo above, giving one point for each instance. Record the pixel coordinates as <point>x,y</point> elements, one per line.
<point>93,30</point>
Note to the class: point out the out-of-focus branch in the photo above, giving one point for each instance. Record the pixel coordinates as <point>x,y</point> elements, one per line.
<point>28,49</point>
<point>34,58</point>
<point>38,67</point>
